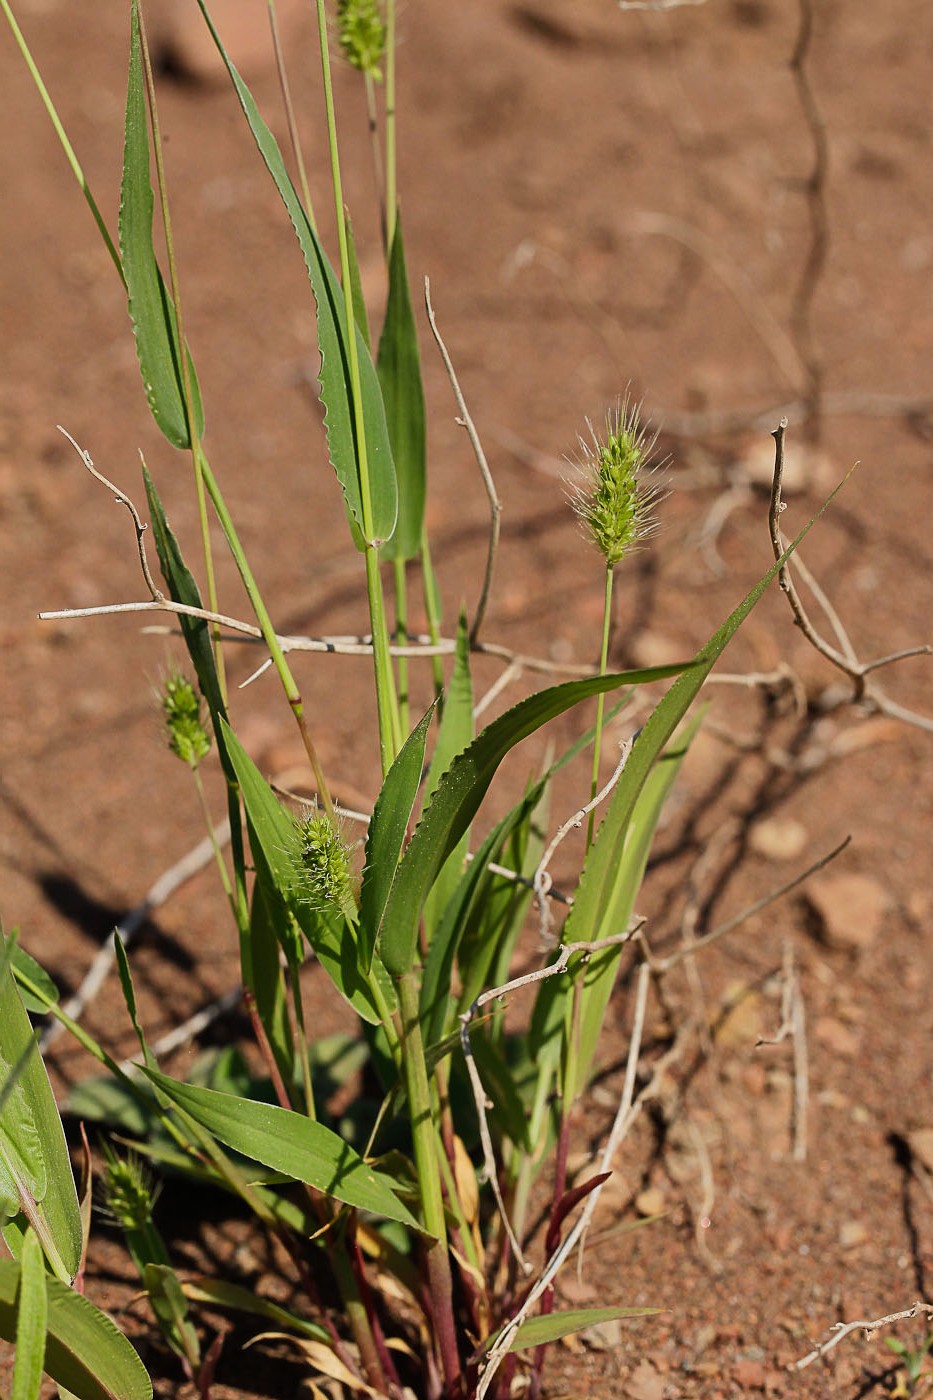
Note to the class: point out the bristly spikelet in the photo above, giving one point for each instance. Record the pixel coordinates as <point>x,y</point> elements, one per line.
<point>362,35</point>
<point>618,495</point>
<point>129,1190</point>
<point>323,872</point>
<point>181,709</point>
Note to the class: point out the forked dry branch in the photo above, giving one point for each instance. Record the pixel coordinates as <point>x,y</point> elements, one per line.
<point>841,1330</point>
<point>843,656</point>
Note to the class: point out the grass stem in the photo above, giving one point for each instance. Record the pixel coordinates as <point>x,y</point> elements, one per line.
<point>401,638</point>
<point>424,1136</point>
<point>386,701</point>
<point>63,138</point>
<point>293,134</point>
<point>600,702</point>
<point>391,189</point>
<point>183,359</point>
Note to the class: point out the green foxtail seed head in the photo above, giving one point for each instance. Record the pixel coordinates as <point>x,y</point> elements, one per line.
<point>181,708</point>
<point>324,875</point>
<point>129,1189</point>
<point>617,496</point>
<point>362,34</point>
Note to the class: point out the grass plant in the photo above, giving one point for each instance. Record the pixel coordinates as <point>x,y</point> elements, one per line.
<point>406,1224</point>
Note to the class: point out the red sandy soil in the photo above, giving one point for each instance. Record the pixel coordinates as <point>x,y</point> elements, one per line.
<point>600,199</point>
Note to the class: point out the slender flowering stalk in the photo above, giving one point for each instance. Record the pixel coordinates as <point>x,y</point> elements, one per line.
<point>363,33</point>
<point>390,736</point>
<point>615,500</point>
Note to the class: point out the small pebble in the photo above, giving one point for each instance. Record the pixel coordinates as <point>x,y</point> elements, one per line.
<point>777,839</point>
<point>651,1201</point>
<point>852,1233</point>
<point>850,909</point>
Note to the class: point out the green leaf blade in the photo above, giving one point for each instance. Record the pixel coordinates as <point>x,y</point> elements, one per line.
<point>32,1311</point>
<point>386,835</point>
<point>151,312</point>
<point>219,1293</point>
<point>437,979</point>
<point>539,1331</point>
<point>290,1143</point>
<point>183,589</point>
<point>334,377</point>
<point>602,904</point>
<point>458,797</point>
<point>399,367</point>
<point>600,970</point>
<point>84,1353</point>
<point>23,963</point>
<point>456,731</point>
<point>57,1215</point>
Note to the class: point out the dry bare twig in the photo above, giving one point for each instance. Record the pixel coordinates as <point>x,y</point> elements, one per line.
<point>346,645</point>
<point>843,1329</point>
<point>495,505</point>
<point>793,1025</point>
<point>815,187</point>
<point>541,882</point>
<point>704,1210</point>
<point>843,657</point>
<point>554,969</point>
<point>624,1118</point>
<point>628,1111</point>
<point>123,500</point>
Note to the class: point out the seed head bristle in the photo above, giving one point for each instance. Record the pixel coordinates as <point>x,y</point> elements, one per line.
<point>323,871</point>
<point>129,1190</point>
<point>181,709</point>
<point>362,35</point>
<point>619,490</point>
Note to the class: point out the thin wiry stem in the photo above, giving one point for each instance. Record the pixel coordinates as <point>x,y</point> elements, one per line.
<point>504,1341</point>
<point>293,134</point>
<point>815,186</point>
<point>541,882</point>
<point>554,969</point>
<point>793,1026</point>
<point>123,500</point>
<point>197,456</point>
<point>844,656</point>
<point>495,505</point>
<point>378,174</point>
<point>391,120</point>
<point>843,1329</point>
<point>63,139</point>
<point>656,4</point>
<point>600,700</point>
